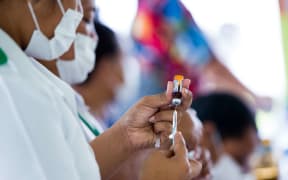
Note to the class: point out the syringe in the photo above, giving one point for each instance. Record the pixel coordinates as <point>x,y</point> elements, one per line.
<point>176,101</point>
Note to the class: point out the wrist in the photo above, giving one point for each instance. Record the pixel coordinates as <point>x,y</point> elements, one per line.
<point>120,131</point>
<point>111,149</point>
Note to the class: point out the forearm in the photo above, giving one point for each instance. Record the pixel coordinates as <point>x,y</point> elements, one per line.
<point>111,149</point>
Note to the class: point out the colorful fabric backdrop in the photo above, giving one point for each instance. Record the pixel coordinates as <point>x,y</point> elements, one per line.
<point>168,39</point>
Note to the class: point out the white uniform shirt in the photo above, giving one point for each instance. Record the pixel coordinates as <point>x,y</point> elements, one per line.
<point>83,110</point>
<point>40,136</point>
<point>227,169</point>
<point>74,101</point>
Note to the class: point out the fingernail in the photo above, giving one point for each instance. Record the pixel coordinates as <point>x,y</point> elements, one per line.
<point>189,82</point>
<point>169,85</point>
<point>186,91</point>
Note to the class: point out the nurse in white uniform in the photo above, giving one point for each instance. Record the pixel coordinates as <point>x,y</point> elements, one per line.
<point>40,135</point>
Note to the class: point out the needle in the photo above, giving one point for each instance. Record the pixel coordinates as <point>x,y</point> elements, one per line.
<point>174,126</point>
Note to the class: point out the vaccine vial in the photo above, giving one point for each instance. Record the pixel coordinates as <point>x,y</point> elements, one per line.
<point>177,89</point>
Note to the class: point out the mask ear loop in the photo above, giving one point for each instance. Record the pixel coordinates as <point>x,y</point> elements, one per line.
<point>79,6</point>
<point>61,7</point>
<point>33,15</point>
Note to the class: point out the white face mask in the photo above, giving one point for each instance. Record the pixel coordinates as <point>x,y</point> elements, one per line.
<point>40,47</point>
<point>77,70</point>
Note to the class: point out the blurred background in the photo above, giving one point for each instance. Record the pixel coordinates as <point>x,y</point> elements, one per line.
<point>250,37</point>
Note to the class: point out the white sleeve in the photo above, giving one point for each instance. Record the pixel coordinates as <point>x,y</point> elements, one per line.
<point>17,157</point>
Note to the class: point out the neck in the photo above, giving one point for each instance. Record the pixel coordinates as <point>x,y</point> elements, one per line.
<point>8,19</point>
<point>51,66</point>
<point>16,20</point>
<point>96,102</point>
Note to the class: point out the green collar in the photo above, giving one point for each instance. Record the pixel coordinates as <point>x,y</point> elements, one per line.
<point>3,57</point>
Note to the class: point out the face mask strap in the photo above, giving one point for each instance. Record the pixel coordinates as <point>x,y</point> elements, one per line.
<point>33,15</point>
<point>61,7</point>
<point>79,4</point>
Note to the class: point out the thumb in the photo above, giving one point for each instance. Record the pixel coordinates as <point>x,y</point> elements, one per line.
<point>158,100</point>
<point>179,147</point>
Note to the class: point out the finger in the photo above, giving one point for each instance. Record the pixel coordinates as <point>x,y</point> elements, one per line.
<point>205,171</point>
<point>207,164</point>
<point>165,115</point>
<point>166,144</point>
<point>199,154</point>
<point>196,167</point>
<point>186,99</point>
<point>163,128</point>
<point>157,152</point>
<point>179,147</point>
<point>158,100</point>
<point>169,89</point>
<point>169,154</point>
<point>186,83</point>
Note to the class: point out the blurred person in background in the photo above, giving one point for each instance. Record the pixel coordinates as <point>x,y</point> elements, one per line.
<point>168,41</point>
<point>100,89</point>
<point>230,133</point>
